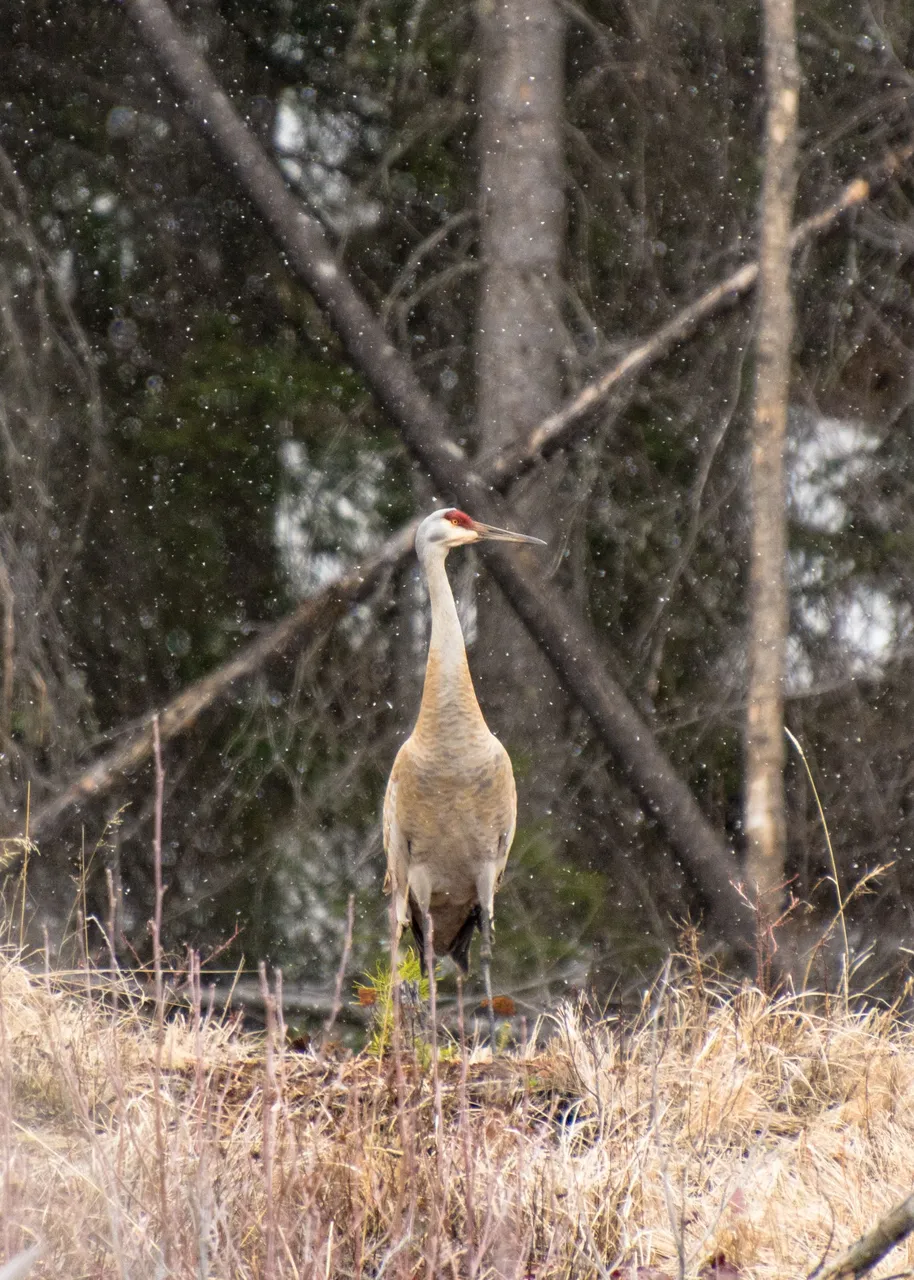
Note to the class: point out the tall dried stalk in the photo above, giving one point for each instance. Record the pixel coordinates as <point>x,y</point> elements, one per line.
<point>156,929</point>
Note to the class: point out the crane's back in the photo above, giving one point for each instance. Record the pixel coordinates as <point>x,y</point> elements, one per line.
<point>450,810</point>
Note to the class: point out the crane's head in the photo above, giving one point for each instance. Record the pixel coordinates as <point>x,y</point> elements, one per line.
<point>454,528</point>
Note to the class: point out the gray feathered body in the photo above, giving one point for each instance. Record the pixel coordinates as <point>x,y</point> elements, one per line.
<point>451,807</point>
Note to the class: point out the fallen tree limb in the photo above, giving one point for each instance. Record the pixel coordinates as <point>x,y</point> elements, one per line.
<point>619,725</point>
<point>558,429</point>
<point>871,1248</point>
<point>566,639</point>
<point>321,610</point>
<point>551,434</point>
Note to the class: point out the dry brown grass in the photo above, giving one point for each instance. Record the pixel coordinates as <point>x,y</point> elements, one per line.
<point>769,1131</point>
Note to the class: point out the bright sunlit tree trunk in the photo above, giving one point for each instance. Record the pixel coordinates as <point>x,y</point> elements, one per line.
<point>522,208</point>
<point>765,817</point>
<point>519,331</point>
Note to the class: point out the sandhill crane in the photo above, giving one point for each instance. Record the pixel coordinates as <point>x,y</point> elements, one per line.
<point>451,808</point>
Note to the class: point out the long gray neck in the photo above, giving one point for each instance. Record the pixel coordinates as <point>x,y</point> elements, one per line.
<point>448,693</point>
<point>447,634</point>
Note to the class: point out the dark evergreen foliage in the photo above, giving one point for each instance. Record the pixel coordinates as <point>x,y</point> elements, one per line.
<point>187,452</point>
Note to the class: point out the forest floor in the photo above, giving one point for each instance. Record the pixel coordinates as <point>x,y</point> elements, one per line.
<point>720,1132</point>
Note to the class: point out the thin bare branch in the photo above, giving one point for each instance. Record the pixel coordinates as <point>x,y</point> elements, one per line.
<point>565,638</point>
<point>558,429</point>
<point>870,1249</point>
<point>317,611</point>
<point>553,433</point>
<point>337,1001</point>
<point>425,429</point>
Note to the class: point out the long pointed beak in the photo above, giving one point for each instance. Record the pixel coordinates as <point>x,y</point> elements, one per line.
<point>490,533</point>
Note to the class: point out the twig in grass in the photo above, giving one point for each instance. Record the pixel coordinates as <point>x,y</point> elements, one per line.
<point>675,1219</point>
<point>82,912</point>
<point>407,1170</point>
<point>111,938</point>
<point>871,1248</point>
<point>159,994</point>
<point>831,856</point>
<point>24,878</point>
<point>441,1197</point>
<point>157,862</point>
<point>195,999</point>
<point>19,1267</point>
<point>466,1137</point>
<point>270,1104</point>
<point>337,1002</point>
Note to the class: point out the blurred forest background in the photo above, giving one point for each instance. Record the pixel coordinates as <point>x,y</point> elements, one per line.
<point>189,452</point>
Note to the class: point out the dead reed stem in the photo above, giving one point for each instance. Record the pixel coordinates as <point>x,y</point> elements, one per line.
<point>337,1001</point>
<point>161,1161</point>
<point>870,1249</point>
<point>780,1125</point>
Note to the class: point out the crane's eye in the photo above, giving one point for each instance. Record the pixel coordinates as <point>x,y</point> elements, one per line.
<point>454,520</point>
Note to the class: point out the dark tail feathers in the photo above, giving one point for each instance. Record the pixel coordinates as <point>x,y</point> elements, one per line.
<point>459,950</point>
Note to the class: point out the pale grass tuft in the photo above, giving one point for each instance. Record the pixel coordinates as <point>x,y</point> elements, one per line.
<point>769,1131</point>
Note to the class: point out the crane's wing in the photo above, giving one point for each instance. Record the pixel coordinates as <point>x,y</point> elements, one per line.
<point>509,791</point>
<point>501,822</point>
<point>396,847</point>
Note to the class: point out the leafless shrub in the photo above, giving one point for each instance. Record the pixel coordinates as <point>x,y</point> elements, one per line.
<point>51,444</point>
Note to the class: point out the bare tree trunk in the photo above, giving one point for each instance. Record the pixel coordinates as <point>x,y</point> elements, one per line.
<point>568,641</point>
<point>315,614</point>
<point>522,218</point>
<point>554,432</point>
<point>558,430</point>
<point>518,342</point>
<point>765,817</point>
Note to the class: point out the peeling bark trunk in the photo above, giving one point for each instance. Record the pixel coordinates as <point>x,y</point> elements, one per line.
<point>181,714</point>
<point>522,218</point>
<point>765,817</point>
<point>518,344</point>
<point>567,639</point>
